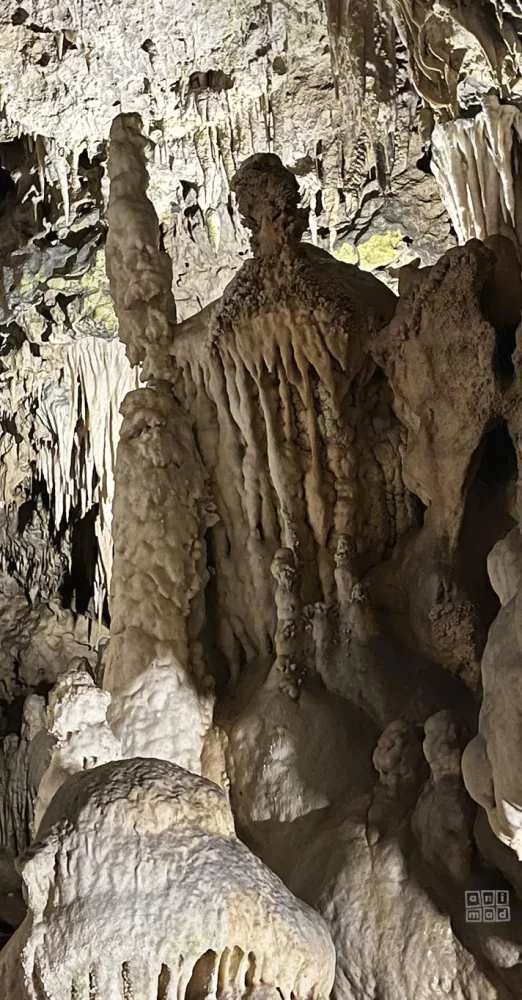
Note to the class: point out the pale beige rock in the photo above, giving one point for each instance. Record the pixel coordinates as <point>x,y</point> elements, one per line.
<point>278,385</point>
<point>459,52</point>
<point>152,890</point>
<point>490,765</point>
<point>443,817</point>
<point>473,162</point>
<point>439,356</point>
<point>140,274</point>
<point>447,353</point>
<point>162,714</point>
<point>76,722</point>
<point>261,489</point>
<point>161,511</point>
<point>392,940</point>
<point>505,566</point>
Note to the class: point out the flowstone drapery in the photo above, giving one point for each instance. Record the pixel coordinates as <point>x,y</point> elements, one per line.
<point>137,887</point>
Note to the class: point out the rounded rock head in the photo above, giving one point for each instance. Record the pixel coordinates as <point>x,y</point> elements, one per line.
<point>268,200</point>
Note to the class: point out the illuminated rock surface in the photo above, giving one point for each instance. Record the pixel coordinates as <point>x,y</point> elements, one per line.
<point>260,566</point>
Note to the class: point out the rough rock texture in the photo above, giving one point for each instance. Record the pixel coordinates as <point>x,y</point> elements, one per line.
<point>327,88</point>
<point>346,93</point>
<point>395,939</point>
<point>491,759</point>
<point>201,910</point>
<point>316,577</point>
<point>207,100</point>
<point>76,721</point>
<point>439,356</point>
<point>139,273</point>
<point>323,572</point>
<point>458,52</point>
<point>279,388</point>
<point>161,515</point>
<point>447,356</point>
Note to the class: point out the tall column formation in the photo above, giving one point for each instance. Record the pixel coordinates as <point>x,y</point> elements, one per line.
<point>162,507</point>
<point>162,705</point>
<point>140,274</point>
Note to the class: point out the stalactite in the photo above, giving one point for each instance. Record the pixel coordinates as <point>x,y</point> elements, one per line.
<point>458,51</point>
<point>363,58</point>
<point>77,450</point>
<point>477,163</point>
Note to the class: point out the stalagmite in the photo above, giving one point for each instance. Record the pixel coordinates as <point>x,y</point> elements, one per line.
<point>140,274</point>
<point>288,641</point>
<point>22,765</point>
<point>162,510</point>
<point>77,725</point>
<point>138,887</point>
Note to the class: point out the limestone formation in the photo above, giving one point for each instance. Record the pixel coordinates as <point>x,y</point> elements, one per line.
<point>446,358</point>
<point>480,192</point>
<point>490,764</point>
<point>140,274</point>
<point>260,500</point>
<point>279,387</point>
<point>263,378</point>
<point>180,906</point>
<point>162,509</point>
<point>76,722</point>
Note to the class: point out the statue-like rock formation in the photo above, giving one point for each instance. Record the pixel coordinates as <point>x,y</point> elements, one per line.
<point>279,386</point>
